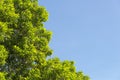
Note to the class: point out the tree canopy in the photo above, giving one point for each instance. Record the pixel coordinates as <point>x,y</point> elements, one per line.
<point>24,45</point>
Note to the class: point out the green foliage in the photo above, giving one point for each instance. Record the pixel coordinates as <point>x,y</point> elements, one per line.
<point>24,45</point>
<point>3,55</point>
<point>2,76</point>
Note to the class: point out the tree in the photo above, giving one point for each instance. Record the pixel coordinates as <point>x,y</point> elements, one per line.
<point>24,45</point>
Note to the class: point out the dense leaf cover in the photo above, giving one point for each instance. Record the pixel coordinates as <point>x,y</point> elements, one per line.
<point>24,45</point>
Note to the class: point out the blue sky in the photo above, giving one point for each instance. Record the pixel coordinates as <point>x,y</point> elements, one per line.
<point>87,32</point>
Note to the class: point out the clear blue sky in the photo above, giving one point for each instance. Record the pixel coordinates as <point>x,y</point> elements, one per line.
<point>87,32</point>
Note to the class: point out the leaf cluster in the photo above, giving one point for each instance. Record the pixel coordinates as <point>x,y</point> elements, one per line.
<point>24,45</point>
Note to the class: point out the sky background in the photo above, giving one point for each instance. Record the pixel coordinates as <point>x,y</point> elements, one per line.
<point>87,32</point>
